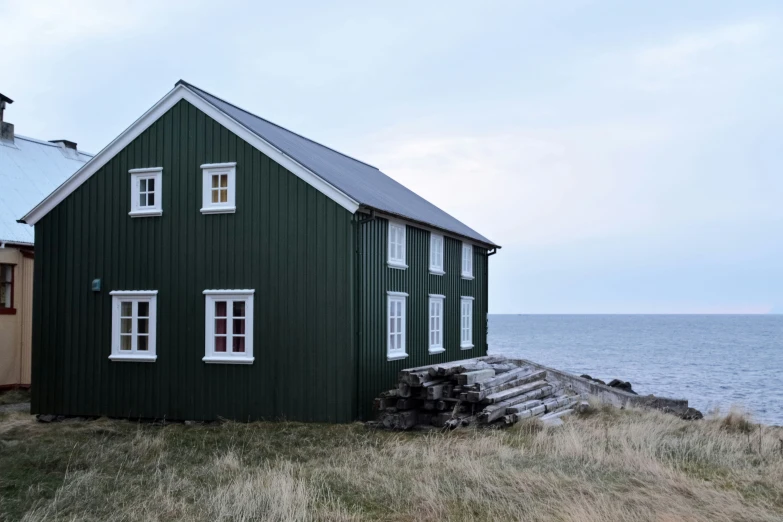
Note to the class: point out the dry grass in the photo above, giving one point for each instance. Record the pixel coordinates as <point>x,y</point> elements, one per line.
<point>14,396</point>
<point>610,465</point>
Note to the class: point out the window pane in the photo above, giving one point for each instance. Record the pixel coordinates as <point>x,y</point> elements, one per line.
<point>151,184</point>
<point>224,180</point>
<point>142,199</point>
<point>125,342</point>
<point>220,326</point>
<point>220,344</point>
<point>5,295</point>
<point>150,199</point>
<point>144,309</point>
<point>215,196</point>
<point>142,343</point>
<point>239,309</point>
<point>144,326</point>
<point>238,344</point>
<point>223,195</point>
<point>126,309</point>
<point>6,273</point>
<point>239,326</point>
<point>220,309</point>
<point>142,185</point>
<point>125,325</point>
<point>215,181</point>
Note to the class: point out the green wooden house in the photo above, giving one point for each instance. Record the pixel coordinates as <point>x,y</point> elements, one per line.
<point>208,263</point>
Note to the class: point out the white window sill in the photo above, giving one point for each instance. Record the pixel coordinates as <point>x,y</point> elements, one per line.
<point>145,213</point>
<point>228,360</point>
<point>132,358</point>
<point>467,276</point>
<point>397,265</point>
<point>219,210</point>
<point>396,356</point>
<point>465,346</point>
<point>436,351</point>
<point>435,271</point>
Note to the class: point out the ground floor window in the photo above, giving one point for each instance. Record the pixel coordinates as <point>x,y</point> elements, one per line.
<point>436,324</point>
<point>395,321</point>
<point>229,326</point>
<point>134,325</point>
<point>466,323</point>
<point>7,289</point>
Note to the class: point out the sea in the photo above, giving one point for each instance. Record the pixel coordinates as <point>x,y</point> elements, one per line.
<point>715,361</point>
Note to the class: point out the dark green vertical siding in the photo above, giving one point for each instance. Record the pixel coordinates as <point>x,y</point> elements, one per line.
<point>288,241</point>
<point>376,373</point>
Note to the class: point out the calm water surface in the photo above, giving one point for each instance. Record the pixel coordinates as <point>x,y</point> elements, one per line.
<point>711,360</point>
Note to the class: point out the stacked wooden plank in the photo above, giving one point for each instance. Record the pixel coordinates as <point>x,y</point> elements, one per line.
<point>484,391</point>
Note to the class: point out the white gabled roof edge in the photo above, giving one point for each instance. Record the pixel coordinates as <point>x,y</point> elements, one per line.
<point>182,92</point>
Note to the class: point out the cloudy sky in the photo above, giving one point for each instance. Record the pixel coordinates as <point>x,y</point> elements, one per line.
<point>627,155</point>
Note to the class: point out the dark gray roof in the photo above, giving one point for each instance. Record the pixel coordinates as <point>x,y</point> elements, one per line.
<point>364,183</point>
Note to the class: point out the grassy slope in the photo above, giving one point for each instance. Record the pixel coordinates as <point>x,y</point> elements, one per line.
<point>14,396</point>
<point>611,465</point>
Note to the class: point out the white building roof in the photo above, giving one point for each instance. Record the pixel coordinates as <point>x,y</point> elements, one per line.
<point>30,170</point>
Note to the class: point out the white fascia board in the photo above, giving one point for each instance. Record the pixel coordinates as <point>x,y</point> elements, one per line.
<point>144,171</point>
<point>134,293</point>
<point>181,92</point>
<point>229,292</point>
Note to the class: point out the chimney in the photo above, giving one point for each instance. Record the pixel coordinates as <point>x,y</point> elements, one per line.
<point>64,143</point>
<point>6,129</point>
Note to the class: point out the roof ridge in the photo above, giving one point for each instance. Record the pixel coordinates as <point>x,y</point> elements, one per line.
<point>186,84</point>
<point>48,143</point>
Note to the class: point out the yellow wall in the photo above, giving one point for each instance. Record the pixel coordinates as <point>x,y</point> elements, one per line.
<point>15,330</point>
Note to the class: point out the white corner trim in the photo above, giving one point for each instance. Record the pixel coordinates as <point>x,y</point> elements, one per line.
<point>228,360</point>
<point>399,294</point>
<point>145,170</point>
<point>398,266</point>
<point>229,292</point>
<point>133,293</point>
<point>228,165</point>
<point>145,213</point>
<point>133,358</point>
<point>181,92</point>
<point>439,296</point>
<point>396,356</point>
<point>436,351</point>
<point>219,210</point>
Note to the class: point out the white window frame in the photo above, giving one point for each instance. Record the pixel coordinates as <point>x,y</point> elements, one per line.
<point>396,262</point>
<point>393,354</point>
<point>438,346</point>
<point>227,357</point>
<point>215,169</point>
<point>466,326</point>
<point>467,261</point>
<point>135,297</point>
<point>136,175</point>
<point>437,262</point>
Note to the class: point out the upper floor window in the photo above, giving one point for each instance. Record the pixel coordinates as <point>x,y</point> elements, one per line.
<point>229,326</point>
<point>7,289</point>
<point>466,323</point>
<point>396,245</point>
<point>467,261</point>
<point>395,325</point>
<point>219,188</point>
<point>134,324</point>
<point>436,324</point>
<point>436,254</point>
<point>146,192</point>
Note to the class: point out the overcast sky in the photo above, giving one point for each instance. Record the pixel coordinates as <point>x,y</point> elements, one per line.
<point>627,155</point>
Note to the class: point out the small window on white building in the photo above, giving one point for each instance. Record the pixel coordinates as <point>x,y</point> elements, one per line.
<point>466,323</point>
<point>229,326</point>
<point>467,261</point>
<point>396,245</point>
<point>146,192</point>
<point>395,325</point>
<point>436,254</point>
<point>219,188</point>
<point>436,324</point>
<point>134,325</point>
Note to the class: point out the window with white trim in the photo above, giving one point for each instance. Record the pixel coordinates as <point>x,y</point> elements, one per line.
<point>396,245</point>
<point>395,325</point>
<point>146,192</point>
<point>219,188</point>
<point>134,325</point>
<point>229,326</point>
<point>467,261</point>
<point>436,254</point>
<point>436,324</point>
<point>466,323</point>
